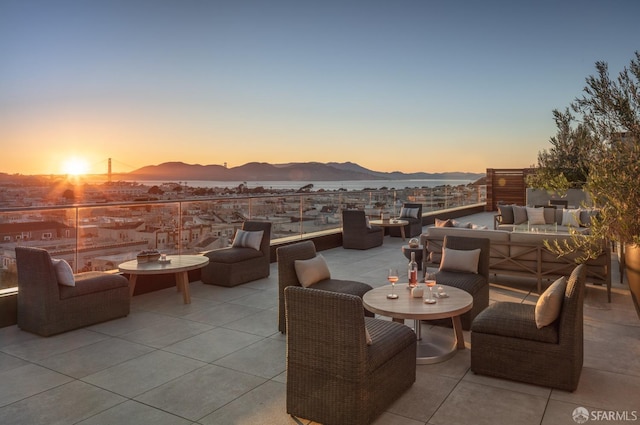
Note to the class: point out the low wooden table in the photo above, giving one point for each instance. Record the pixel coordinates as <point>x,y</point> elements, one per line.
<point>391,223</point>
<point>178,265</point>
<point>407,307</point>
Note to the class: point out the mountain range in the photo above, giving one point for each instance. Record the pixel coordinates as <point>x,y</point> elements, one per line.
<point>299,171</point>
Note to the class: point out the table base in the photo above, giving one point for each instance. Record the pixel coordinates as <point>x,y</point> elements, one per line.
<point>436,347</point>
<point>182,285</point>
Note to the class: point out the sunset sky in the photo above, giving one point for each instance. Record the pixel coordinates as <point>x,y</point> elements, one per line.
<point>402,85</point>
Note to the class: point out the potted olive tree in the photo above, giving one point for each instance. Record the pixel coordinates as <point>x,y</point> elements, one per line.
<point>610,109</point>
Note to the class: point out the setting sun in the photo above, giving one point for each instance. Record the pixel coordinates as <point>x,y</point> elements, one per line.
<point>75,166</point>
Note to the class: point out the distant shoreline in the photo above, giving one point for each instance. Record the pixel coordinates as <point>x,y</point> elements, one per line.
<point>328,185</point>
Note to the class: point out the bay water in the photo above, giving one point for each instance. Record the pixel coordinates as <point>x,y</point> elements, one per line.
<point>317,185</point>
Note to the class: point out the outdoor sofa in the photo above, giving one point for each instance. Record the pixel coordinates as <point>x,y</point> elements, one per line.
<point>522,254</point>
<point>543,218</point>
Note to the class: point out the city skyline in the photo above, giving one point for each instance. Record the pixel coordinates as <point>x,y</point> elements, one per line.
<point>411,86</point>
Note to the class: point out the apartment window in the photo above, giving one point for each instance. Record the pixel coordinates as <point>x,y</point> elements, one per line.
<point>47,235</point>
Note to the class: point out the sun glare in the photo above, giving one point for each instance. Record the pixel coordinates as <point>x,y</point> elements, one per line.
<point>75,166</point>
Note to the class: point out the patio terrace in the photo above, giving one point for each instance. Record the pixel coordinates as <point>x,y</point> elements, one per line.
<point>221,360</point>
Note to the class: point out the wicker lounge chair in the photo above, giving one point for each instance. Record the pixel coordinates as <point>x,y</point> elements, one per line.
<point>506,343</point>
<point>236,265</point>
<point>475,284</point>
<point>355,232</point>
<point>414,228</point>
<point>46,307</point>
<point>333,375</point>
<point>287,255</point>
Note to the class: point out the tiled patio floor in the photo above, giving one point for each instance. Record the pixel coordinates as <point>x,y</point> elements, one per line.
<point>221,360</point>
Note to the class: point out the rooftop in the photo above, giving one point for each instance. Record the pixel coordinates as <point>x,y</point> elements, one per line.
<point>221,360</point>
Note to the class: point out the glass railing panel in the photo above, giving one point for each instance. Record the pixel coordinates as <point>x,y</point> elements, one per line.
<point>320,213</point>
<point>99,237</point>
<point>53,229</point>
<point>111,234</point>
<point>210,224</point>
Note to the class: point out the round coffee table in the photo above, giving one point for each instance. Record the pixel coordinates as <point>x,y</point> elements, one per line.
<point>178,265</point>
<point>391,223</point>
<point>433,349</point>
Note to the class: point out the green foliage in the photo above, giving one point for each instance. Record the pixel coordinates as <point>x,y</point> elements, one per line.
<point>567,163</point>
<point>611,111</point>
<point>584,246</point>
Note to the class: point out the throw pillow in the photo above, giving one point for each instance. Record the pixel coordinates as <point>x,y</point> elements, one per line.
<point>586,215</point>
<point>550,302</point>
<point>535,215</point>
<point>506,211</point>
<point>479,227</point>
<point>64,273</point>
<point>570,217</point>
<point>443,223</point>
<point>519,214</point>
<point>312,270</point>
<point>409,212</point>
<point>456,260</point>
<point>248,239</point>
<point>559,213</point>
<point>549,215</point>
<point>463,225</point>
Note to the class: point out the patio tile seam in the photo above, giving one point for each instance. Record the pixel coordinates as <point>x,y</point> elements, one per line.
<point>500,387</point>
<point>235,399</point>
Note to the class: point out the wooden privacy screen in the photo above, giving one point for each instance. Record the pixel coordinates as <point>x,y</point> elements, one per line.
<point>506,185</point>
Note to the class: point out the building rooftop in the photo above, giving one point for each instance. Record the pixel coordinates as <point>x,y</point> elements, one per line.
<point>221,360</point>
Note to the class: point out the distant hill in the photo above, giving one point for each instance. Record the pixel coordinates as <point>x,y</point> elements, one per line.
<point>261,171</point>
<point>397,175</point>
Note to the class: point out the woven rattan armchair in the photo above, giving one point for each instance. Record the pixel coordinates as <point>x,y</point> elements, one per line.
<point>333,375</point>
<point>414,228</point>
<point>236,265</point>
<point>46,307</point>
<point>506,343</point>
<point>356,234</point>
<point>475,284</point>
<point>287,255</point>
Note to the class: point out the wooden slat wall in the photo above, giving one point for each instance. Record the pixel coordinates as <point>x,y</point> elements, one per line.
<point>506,186</point>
